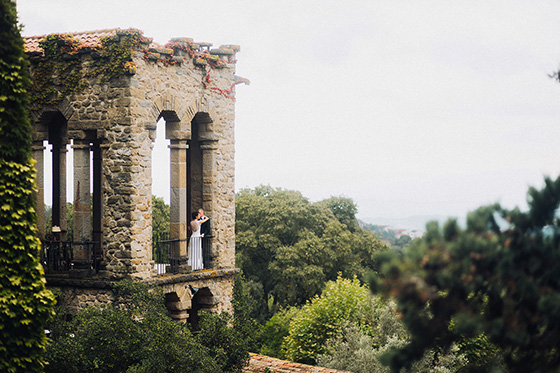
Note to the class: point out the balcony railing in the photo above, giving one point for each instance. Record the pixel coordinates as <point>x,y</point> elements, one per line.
<point>83,258</point>
<point>166,253</point>
<point>59,257</point>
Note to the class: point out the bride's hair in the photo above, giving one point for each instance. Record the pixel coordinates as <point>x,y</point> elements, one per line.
<point>194,215</point>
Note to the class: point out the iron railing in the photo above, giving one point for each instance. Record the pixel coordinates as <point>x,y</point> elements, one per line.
<point>62,257</point>
<point>59,257</point>
<point>165,253</point>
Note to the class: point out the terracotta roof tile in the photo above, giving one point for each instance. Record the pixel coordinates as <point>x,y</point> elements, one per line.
<point>88,38</point>
<point>261,364</point>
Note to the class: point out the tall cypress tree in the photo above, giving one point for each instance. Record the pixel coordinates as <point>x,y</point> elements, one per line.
<point>25,304</point>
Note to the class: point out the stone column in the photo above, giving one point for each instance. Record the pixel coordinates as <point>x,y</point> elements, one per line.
<point>209,184</point>
<point>82,196</point>
<point>178,203</point>
<point>97,201</point>
<point>59,188</point>
<point>82,253</point>
<point>209,175</point>
<point>38,155</point>
<point>62,198</point>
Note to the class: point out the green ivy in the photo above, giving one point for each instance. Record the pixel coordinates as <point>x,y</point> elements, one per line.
<point>117,53</point>
<point>61,71</point>
<point>25,304</point>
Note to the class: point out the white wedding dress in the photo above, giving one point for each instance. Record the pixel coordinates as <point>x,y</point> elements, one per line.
<point>195,248</point>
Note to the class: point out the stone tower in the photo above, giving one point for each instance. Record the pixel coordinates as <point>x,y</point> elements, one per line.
<point>101,94</point>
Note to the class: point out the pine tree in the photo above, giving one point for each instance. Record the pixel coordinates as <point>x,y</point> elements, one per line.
<point>499,278</point>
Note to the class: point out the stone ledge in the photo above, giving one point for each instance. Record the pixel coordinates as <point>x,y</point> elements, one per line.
<point>87,283</point>
<point>194,276</point>
<point>96,283</point>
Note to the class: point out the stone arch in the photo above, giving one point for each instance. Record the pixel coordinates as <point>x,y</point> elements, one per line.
<point>185,300</point>
<point>181,115</point>
<point>190,129</point>
<point>202,300</point>
<point>65,108</point>
<point>196,106</point>
<point>178,300</point>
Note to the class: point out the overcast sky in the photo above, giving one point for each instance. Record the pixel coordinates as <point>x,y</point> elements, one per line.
<point>408,107</point>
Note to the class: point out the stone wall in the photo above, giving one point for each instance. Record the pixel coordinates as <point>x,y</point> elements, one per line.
<point>121,114</point>
<point>209,290</point>
<point>105,91</point>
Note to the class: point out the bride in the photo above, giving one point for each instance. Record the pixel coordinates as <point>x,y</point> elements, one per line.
<point>195,243</point>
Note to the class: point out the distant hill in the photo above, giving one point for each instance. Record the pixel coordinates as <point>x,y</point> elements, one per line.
<point>414,223</point>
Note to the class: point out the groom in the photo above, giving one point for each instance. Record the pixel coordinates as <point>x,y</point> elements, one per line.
<point>204,227</point>
<point>205,234</point>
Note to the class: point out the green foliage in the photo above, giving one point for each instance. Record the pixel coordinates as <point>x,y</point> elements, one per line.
<point>288,247</point>
<point>354,351</point>
<point>275,330</point>
<point>344,209</point>
<point>248,328</point>
<point>322,319</point>
<point>25,304</point>
<point>137,335</point>
<point>117,53</point>
<point>500,276</point>
<point>225,344</point>
<point>61,72</point>
<point>359,352</point>
<point>160,218</point>
<point>480,354</point>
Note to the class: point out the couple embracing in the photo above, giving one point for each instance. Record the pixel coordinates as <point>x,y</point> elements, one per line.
<point>200,226</point>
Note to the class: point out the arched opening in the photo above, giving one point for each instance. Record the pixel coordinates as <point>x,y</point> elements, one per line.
<point>203,300</point>
<point>194,169</point>
<point>57,128</point>
<point>160,162</point>
<point>201,178</point>
<point>161,245</point>
<point>189,163</point>
<point>69,179</point>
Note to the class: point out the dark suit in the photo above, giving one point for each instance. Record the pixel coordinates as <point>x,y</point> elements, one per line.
<point>205,232</point>
<point>205,228</point>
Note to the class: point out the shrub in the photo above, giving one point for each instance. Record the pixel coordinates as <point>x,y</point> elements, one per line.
<point>275,330</point>
<point>323,317</point>
<point>137,335</point>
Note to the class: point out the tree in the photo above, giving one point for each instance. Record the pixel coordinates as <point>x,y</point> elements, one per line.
<point>346,328</point>
<point>247,326</point>
<point>275,330</point>
<point>289,247</point>
<point>322,319</point>
<point>160,218</point>
<point>137,335</point>
<point>344,209</point>
<point>25,304</point>
<point>500,276</point>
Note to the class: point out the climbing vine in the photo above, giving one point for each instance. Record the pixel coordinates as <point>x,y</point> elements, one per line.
<point>25,303</point>
<point>117,55</point>
<point>60,68</point>
<point>61,71</point>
